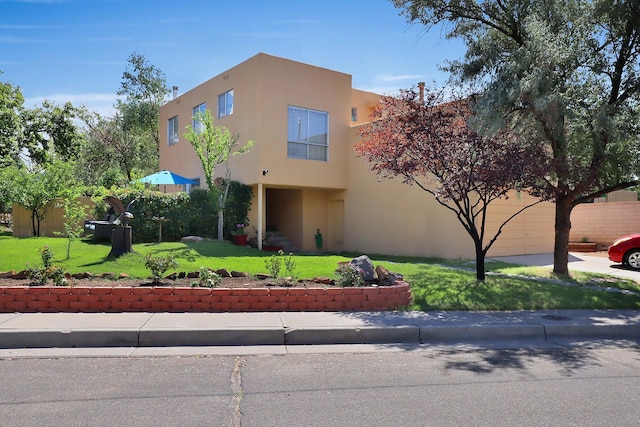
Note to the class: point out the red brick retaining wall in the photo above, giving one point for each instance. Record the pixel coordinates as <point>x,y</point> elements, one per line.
<point>182,299</point>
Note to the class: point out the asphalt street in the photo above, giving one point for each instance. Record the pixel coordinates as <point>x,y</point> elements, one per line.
<point>420,387</point>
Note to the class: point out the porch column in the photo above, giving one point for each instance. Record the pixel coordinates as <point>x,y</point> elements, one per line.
<point>260,210</point>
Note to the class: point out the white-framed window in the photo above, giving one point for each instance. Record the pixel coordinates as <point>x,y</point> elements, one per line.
<point>172,130</point>
<point>308,134</point>
<point>195,124</point>
<point>225,104</point>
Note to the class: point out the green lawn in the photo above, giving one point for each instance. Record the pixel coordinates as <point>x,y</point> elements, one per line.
<point>436,284</point>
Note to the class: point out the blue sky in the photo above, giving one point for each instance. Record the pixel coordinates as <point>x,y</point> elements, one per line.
<point>77,50</point>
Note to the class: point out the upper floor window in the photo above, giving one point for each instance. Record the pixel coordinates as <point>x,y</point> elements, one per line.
<point>195,124</point>
<point>225,104</point>
<point>172,130</point>
<point>308,134</point>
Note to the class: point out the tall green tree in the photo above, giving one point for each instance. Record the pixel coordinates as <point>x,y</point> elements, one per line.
<point>51,133</point>
<point>568,70</point>
<point>215,145</point>
<point>143,90</point>
<point>125,145</point>
<point>11,126</point>
<point>36,189</point>
<point>42,134</point>
<point>112,148</point>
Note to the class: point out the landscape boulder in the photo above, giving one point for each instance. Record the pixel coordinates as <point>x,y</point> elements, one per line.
<point>364,265</point>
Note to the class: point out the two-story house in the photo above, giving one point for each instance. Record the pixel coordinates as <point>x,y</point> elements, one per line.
<point>306,176</point>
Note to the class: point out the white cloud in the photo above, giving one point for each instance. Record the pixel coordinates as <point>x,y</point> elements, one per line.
<point>101,103</point>
<point>398,78</point>
<point>382,89</point>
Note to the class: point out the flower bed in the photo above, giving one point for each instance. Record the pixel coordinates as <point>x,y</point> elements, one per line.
<point>195,299</point>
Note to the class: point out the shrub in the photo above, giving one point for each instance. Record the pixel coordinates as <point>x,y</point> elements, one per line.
<point>348,276</point>
<point>207,279</point>
<point>41,275</point>
<point>185,214</point>
<point>274,266</point>
<point>159,265</point>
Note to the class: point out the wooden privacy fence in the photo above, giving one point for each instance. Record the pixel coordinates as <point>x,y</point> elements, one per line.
<point>53,221</point>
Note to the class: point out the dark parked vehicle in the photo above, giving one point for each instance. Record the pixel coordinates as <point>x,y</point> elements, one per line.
<point>626,250</point>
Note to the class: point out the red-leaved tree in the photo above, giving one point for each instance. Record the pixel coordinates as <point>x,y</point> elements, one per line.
<point>429,144</point>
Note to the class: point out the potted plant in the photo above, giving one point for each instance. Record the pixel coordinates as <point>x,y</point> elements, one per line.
<point>239,235</point>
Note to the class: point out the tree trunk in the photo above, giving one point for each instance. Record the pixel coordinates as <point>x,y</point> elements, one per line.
<point>480,267</point>
<point>220,224</point>
<point>564,206</point>
<point>222,201</point>
<point>35,223</point>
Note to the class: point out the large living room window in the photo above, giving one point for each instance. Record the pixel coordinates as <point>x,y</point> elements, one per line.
<point>225,104</point>
<point>196,124</point>
<point>172,130</point>
<point>308,134</point>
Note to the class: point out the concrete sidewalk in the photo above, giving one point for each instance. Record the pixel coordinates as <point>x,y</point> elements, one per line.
<point>140,330</point>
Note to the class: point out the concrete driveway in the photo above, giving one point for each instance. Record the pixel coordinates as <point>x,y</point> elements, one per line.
<point>592,262</point>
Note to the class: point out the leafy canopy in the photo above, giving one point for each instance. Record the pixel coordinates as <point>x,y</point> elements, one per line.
<point>566,70</point>
<point>429,144</point>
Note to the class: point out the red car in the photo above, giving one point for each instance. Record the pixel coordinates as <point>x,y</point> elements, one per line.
<point>626,250</point>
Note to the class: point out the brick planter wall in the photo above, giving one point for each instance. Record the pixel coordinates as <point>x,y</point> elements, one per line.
<point>182,299</point>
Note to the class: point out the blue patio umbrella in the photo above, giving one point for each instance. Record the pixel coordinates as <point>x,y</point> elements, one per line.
<point>166,177</point>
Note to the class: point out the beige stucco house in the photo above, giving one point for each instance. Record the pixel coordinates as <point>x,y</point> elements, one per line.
<point>306,176</point>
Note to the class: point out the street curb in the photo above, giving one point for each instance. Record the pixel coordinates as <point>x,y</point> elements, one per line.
<point>349,335</point>
<point>68,339</point>
<point>404,334</point>
<point>66,330</point>
<point>592,331</point>
<point>210,337</point>
<point>481,332</point>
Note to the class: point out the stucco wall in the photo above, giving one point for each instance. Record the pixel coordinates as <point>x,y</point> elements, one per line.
<point>377,216</point>
<point>604,222</point>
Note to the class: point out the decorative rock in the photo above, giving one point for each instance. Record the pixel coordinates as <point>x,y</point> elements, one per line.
<point>106,275</point>
<point>263,276</point>
<point>172,276</point>
<point>394,277</point>
<point>182,275</point>
<point>382,274</point>
<point>239,274</point>
<point>364,265</point>
<point>193,274</point>
<point>80,276</point>
<point>387,278</point>
<point>123,276</point>
<point>187,239</point>
<point>7,274</point>
<point>323,280</point>
<point>222,272</point>
<point>21,275</point>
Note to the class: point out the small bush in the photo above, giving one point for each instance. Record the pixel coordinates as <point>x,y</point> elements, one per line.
<point>348,276</point>
<point>207,279</point>
<point>274,266</point>
<point>46,254</point>
<point>41,275</point>
<point>159,265</point>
